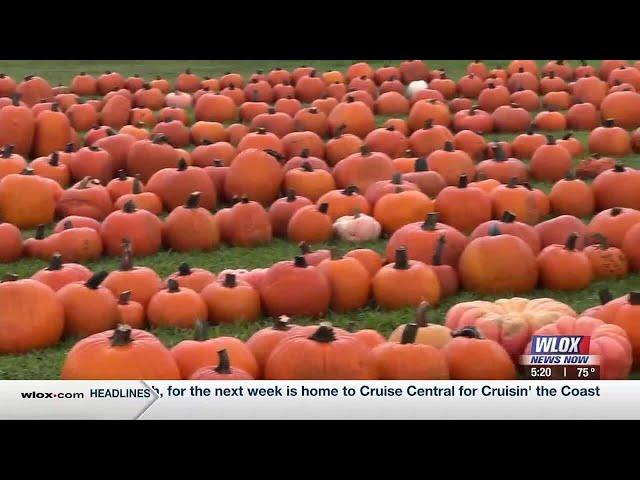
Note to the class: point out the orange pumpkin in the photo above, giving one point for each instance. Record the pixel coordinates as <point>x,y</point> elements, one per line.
<point>356,117</point>
<point>283,209</point>
<point>502,168</point>
<point>256,174</point>
<point>249,224</point>
<point>370,259</point>
<point>571,196</point>
<point>493,97</point>
<point>27,211</point>
<point>429,138</point>
<point>310,224</point>
<point>387,140</point>
<point>452,204</point>
<point>451,163</point>
<point>52,132</point>
<point>10,243</point>
<point>141,227</point>
<point>295,288</point>
<point>17,126</point>
<point>630,247</point>
<point>555,231</point>
<point>623,108</point>
<point>176,307</point>
<point>606,261</point>
<point>498,263</point>
<point>405,283</point>
<point>617,187</point>
<point>556,260</point>
<point>550,162</point>
<point>610,140</point>
<point>87,198</point>
<point>344,202</point>
<point>174,185</point>
<point>429,182</point>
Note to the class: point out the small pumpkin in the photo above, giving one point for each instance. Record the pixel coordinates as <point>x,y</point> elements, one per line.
<point>283,209</point>
<point>405,283</point>
<point>140,227</point>
<point>399,208</point>
<point>175,306</point>
<point>194,278</point>
<point>344,202</point>
<point>142,199</point>
<point>89,307</point>
<point>609,140</point>
<point>409,360</point>
<point>231,300</point>
<point>87,198</point>
<point>370,259</point>
<point>617,187</point>
<point>614,224</point>
<point>470,356</point>
<point>222,371</point>
<point>431,334</point>
<point>131,312</point>
<point>607,261</point>
<point>357,228</point>
<point>451,163</point>
<point>262,342</point>
<point>555,261</point>
<point>249,225</point>
<point>310,224</point>
<point>191,227</point>
<point>349,281</point>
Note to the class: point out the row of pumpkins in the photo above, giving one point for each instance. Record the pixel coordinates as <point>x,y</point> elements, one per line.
<point>69,299</point>
<point>480,341</point>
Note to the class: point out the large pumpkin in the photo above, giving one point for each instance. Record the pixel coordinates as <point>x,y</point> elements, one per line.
<point>256,174</point>
<point>26,211</point>
<point>326,354</point>
<point>31,316</point>
<point>140,227</point>
<point>610,342</point>
<point>120,354</point>
<point>191,227</point>
<point>508,321</point>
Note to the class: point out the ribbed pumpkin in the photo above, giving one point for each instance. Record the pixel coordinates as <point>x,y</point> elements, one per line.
<point>295,288</point>
<point>421,241</point>
<point>174,185</point>
<point>141,227</point>
<point>610,140</point>
<point>142,281</point>
<point>471,356</point>
<point>17,126</point>
<point>409,359</point>
<point>451,163</point>
<point>191,227</point>
<point>399,208</point>
<point>310,224</point>
<point>555,261</point>
<point>283,209</point>
<point>32,316</point>
<point>405,283</point>
<point>26,211</point>
<point>353,117</point>
<point>431,334</point>
<point>453,205</point>
<point>249,224</point>
<point>344,202</point>
<point>607,261</point>
<point>571,196</point>
<point>255,174</point>
<point>617,187</point>
<point>322,353</point>
<point>498,263</point>
<point>231,300</point>
<point>121,354</point>
<point>176,307</point>
<point>349,281</point>
<point>89,307</point>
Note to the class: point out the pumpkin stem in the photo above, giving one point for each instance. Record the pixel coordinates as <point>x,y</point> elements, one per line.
<point>126,263</point>
<point>605,296</point>
<point>230,280</point>
<point>365,150</point>
<point>201,331</point>
<point>467,332</point>
<point>300,262</point>
<point>634,298</point>
<point>160,138</point>
<point>121,336</point>
<point>437,256</point>
<point>422,313</point>
<point>551,140</point>
<point>67,225</point>
<point>428,123</point>
<point>409,333</point>
<point>224,365</point>
<point>567,136</point>
<point>122,174</point>
<point>401,260</point>
<point>608,123</point>
<point>463,182</point>
<point>420,165</point>
<point>129,207</point>
<point>499,153</point>
<point>494,230</point>
<point>27,171</point>
<point>323,207</point>
<point>570,175</point>
<point>508,217</point>
<point>182,165</point>
<point>173,286</point>
<point>531,129</point>
<point>184,269</point>
<point>304,247</point>
<point>448,147</point>
<point>244,199</point>
<point>193,201</point>
<point>96,279</point>
<point>218,163</point>
<point>340,130</point>
<point>7,150</point>
<point>281,323</point>
<point>324,333</point>
<point>68,148</point>
<point>430,222</point>
<point>124,298</point>
<point>39,235</point>
<point>615,211</point>
<point>137,185</point>
<point>350,190</point>
<point>15,99</point>
<point>291,195</point>
<point>275,154</point>
<point>84,183</point>
<point>55,263</point>
<point>306,166</point>
<point>572,240</point>
<point>513,182</point>
<point>602,241</point>
<point>396,179</point>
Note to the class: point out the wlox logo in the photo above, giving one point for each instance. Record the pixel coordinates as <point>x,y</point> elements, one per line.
<point>560,349</point>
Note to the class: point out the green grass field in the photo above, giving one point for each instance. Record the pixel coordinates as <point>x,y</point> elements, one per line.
<point>46,364</point>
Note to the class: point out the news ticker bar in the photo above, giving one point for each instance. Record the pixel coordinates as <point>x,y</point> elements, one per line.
<point>157,400</point>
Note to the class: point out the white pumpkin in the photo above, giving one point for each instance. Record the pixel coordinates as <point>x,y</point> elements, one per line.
<point>178,99</point>
<point>416,86</point>
<point>357,228</point>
